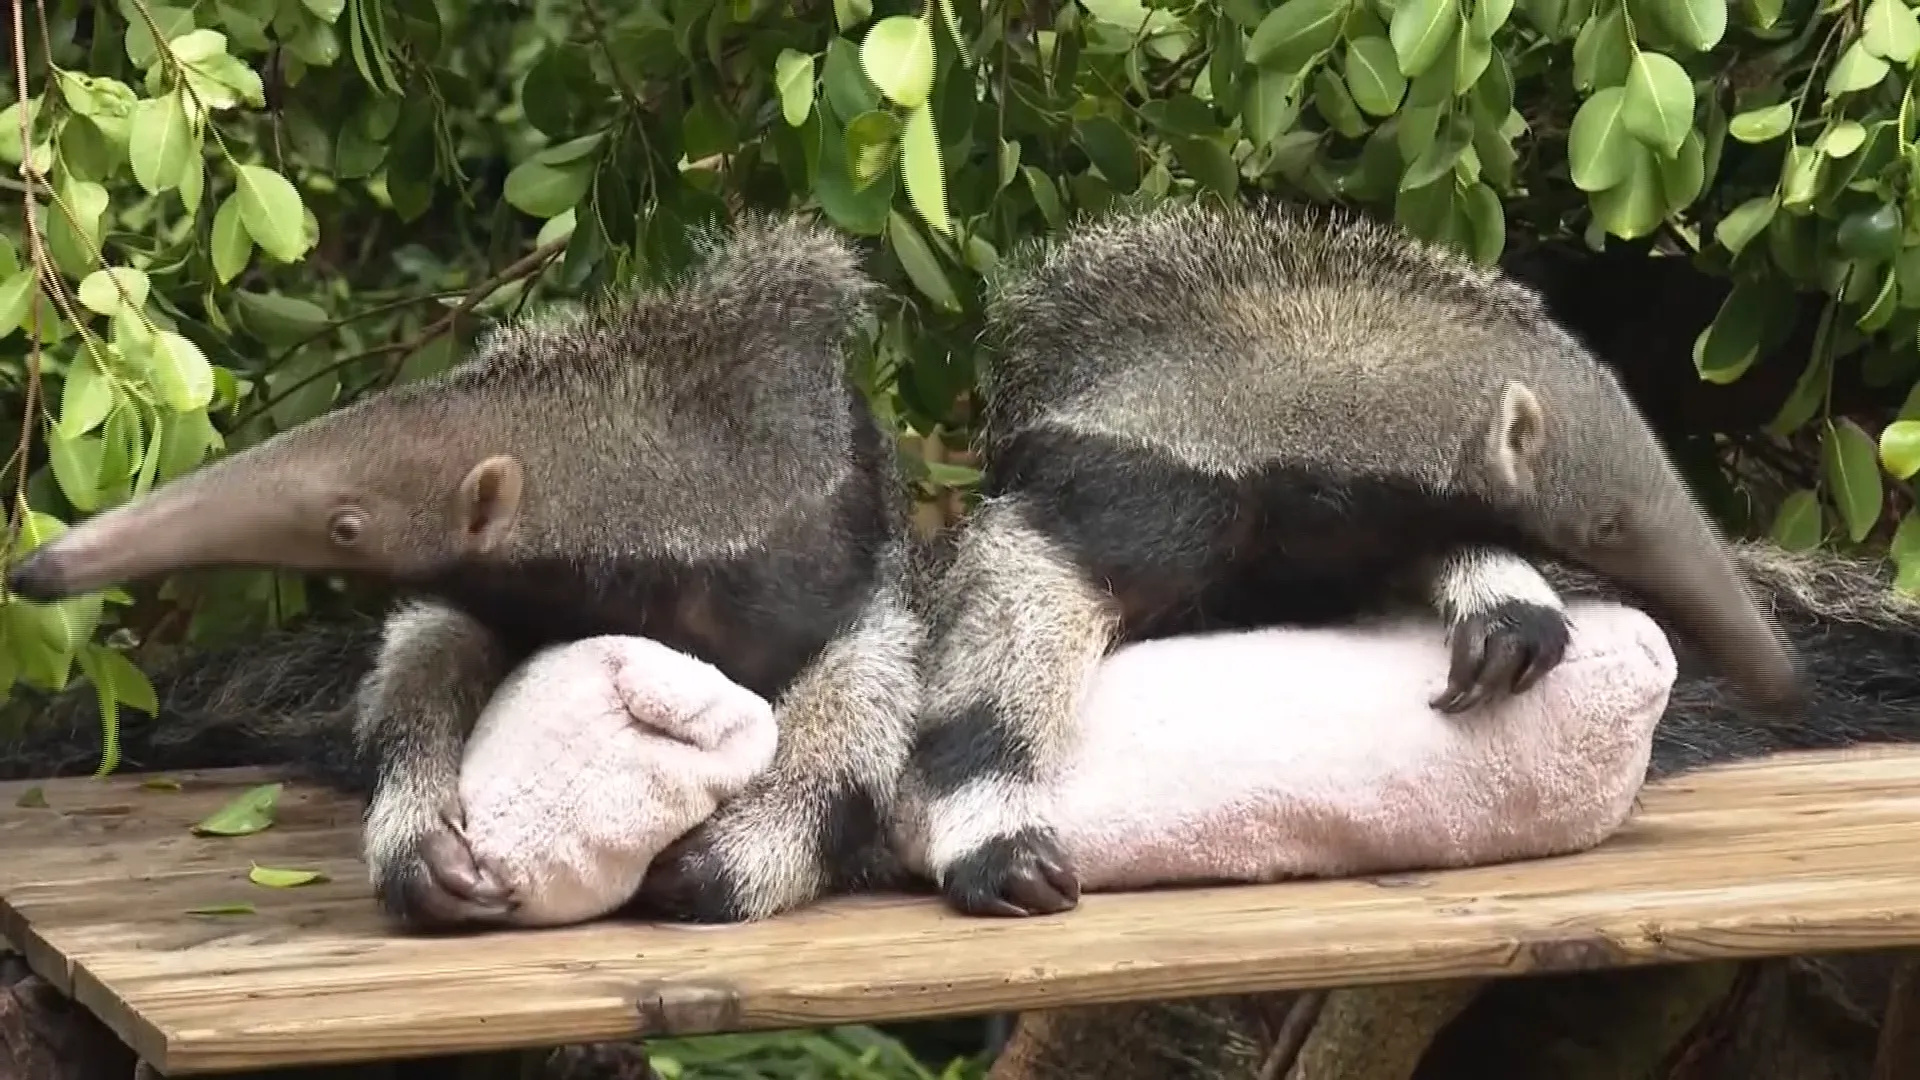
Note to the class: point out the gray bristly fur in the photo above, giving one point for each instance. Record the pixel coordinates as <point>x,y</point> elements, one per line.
<point>1202,418</point>
<point>691,463</point>
<point>742,414</point>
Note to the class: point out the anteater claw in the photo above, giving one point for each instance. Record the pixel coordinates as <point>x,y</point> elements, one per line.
<point>1502,651</point>
<point>1016,876</point>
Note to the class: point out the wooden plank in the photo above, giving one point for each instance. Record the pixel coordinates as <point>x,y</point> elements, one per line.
<point>1796,854</point>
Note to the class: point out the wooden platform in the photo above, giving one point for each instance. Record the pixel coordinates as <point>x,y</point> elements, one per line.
<point>1800,854</point>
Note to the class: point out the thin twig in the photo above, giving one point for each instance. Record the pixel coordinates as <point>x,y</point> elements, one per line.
<point>525,267</point>
<point>1293,1034</point>
<point>37,253</point>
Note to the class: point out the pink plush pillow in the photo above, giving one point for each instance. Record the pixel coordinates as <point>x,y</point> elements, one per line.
<point>1246,756</point>
<point>595,755</point>
<point>1260,755</point>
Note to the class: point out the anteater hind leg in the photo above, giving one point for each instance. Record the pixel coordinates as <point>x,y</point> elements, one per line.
<point>815,821</point>
<point>435,671</point>
<point>1017,629</point>
<point>1507,627</point>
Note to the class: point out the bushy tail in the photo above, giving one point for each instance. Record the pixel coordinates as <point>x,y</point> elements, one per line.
<point>1859,641</point>
<point>284,698</point>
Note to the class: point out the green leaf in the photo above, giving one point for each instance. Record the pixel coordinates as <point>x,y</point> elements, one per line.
<point>1890,31</point>
<point>246,814</point>
<point>1731,342</point>
<point>326,10</point>
<point>34,798</point>
<point>1698,24</point>
<point>1438,159</point>
<point>544,191</point>
<point>1489,221</point>
<point>1856,70</point>
<point>848,91</point>
<point>181,372</point>
<point>921,169</point>
<point>159,142</point>
<point>1684,175</point>
<point>1603,50</point>
<point>101,295</point>
<point>1797,526</point>
<point>1373,75</point>
<point>793,79</point>
<point>1009,163</point>
<point>897,56</point>
<point>197,45</point>
<point>1294,32</point>
<point>1905,550</point>
<point>1112,151</point>
<point>1420,29</point>
<point>1762,125</point>
<point>222,909</point>
<point>232,247</point>
<point>1900,448</point>
<point>1842,139</point>
<point>1336,106</point>
<point>1210,164</point>
<point>126,682</point>
<point>1870,233</point>
<point>1853,476</point>
<point>873,145</point>
<point>1271,107</point>
<point>1600,150</point>
<point>284,879</point>
<point>1635,206</point>
<point>86,398</point>
<point>271,210</point>
<point>1744,222</point>
<point>918,260</point>
<point>16,293</point>
<point>859,210</point>
<point>1657,107</point>
<point>1045,196</point>
<point>1804,170</point>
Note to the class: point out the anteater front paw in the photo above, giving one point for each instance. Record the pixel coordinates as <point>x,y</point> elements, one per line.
<point>1020,875</point>
<point>423,870</point>
<point>1503,650</point>
<point>691,882</point>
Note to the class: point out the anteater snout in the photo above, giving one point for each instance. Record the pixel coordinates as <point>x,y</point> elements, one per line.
<point>38,578</point>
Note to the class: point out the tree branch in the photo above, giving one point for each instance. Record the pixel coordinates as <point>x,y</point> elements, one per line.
<point>525,267</point>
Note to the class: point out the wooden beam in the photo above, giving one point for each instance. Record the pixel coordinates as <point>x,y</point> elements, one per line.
<point>1797,854</point>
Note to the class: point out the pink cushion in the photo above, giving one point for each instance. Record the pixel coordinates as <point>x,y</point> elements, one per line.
<point>1241,757</point>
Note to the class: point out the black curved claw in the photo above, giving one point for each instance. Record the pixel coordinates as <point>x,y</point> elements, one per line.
<point>1503,650</point>
<point>1015,876</point>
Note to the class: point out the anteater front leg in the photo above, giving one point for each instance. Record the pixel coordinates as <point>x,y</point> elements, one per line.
<point>1507,626</point>
<point>814,823</point>
<point>435,671</point>
<point>1017,629</point>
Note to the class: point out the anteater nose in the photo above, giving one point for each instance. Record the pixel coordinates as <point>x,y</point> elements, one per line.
<point>37,578</point>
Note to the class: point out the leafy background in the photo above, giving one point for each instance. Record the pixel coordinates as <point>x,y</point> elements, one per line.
<point>224,217</point>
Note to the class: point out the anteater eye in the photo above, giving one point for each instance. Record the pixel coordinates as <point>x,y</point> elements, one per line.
<point>345,527</point>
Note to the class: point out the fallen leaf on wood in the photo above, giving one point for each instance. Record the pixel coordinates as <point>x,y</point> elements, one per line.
<point>284,879</point>
<point>250,813</point>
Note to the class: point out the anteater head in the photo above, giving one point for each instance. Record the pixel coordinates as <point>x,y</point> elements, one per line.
<point>1590,482</point>
<point>397,487</point>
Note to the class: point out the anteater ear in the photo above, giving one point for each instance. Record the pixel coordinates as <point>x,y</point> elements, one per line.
<point>488,504</point>
<point>1513,443</point>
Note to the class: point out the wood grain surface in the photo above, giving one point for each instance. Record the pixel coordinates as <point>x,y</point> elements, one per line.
<point>1801,853</point>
